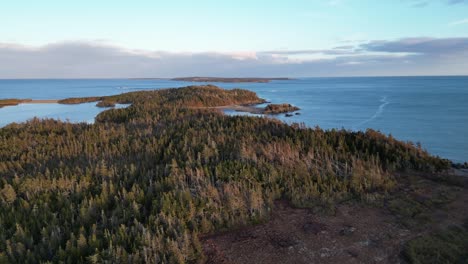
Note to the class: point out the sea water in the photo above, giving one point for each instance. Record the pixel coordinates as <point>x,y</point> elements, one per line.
<point>430,110</point>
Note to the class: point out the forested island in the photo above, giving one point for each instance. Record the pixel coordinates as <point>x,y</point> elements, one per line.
<point>171,179</point>
<point>228,80</point>
<point>280,108</point>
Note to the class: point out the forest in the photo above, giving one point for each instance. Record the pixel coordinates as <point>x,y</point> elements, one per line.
<point>143,183</point>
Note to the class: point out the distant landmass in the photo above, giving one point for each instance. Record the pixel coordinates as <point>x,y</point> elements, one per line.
<point>228,80</point>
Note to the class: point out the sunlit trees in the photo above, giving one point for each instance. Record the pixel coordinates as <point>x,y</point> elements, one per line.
<point>142,183</point>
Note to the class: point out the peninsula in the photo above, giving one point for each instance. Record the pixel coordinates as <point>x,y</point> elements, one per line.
<point>170,179</point>
<point>13,102</point>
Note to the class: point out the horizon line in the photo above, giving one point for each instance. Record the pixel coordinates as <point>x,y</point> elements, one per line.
<point>170,78</point>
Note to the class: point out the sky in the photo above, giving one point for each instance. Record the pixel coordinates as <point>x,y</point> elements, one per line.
<point>294,38</point>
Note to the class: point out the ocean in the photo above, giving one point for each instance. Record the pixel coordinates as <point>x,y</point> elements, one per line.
<point>432,111</point>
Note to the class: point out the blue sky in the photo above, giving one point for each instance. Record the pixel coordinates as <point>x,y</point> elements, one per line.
<point>273,33</point>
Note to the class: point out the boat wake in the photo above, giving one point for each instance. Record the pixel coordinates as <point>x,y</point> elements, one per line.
<point>378,113</point>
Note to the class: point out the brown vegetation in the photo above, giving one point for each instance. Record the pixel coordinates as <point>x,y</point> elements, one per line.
<point>80,100</point>
<point>421,221</point>
<point>142,183</point>
<point>105,104</point>
<point>11,102</point>
<point>279,108</point>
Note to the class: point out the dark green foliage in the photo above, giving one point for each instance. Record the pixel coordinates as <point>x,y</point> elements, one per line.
<point>410,212</point>
<point>143,182</point>
<point>415,202</point>
<point>446,246</point>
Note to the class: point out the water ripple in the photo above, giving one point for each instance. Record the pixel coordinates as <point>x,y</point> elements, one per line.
<point>377,113</point>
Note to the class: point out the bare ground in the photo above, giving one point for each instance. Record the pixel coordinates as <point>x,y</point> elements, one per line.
<point>357,233</point>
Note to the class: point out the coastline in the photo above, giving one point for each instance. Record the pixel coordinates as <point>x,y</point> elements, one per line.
<point>238,108</point>
<point>31,101</point>
<point>41,101</point>
<point>311,115</point>
<point>15,102</point>
<point>252,109</point>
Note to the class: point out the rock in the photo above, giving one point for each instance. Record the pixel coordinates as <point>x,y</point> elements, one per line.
<point>371,243</point>
<point>288,115</point>
<point>283,240</point>
<point>286,242</point>
<point>404,232</point>
<point>379,258</point>
<point>325,253</point>
<point>347,231</point>
<point>353,253</point>
<point>365,243</point>
<point>314,227</point>
<point>245,235</point>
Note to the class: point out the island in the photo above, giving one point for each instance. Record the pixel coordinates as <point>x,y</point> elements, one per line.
<point>171,179</point>
<point>228,80</point>
<point>280,108</point>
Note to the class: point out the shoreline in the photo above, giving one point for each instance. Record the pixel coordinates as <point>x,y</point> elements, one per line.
<point>15,102</point>
<point>252,109</point>
<point>248,108</point>
<point>41,101</point>
<point>240,108</point>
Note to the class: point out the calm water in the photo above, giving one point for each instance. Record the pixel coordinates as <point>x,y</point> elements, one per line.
<point>429,110</point>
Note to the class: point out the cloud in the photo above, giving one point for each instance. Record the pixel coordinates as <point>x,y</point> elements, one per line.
<point>410,56</point>
<point>335,2</point>
<point>420,4</point>
<point>459,22</point>
<point>427,46</point>
<point>82,59</point>
<point>424,3</point>
<point>342,50</point>
<point>453,2</point>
